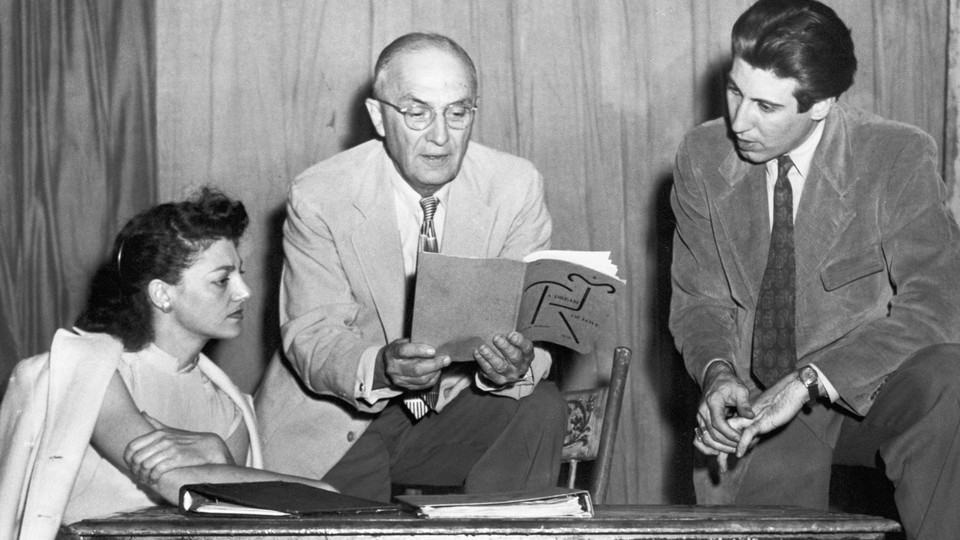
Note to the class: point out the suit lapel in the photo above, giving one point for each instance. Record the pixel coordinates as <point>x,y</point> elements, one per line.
<point>824,210</point>
<point>377,245</point>
<point>745,233</point>
<point>823,214</point>
<point>469,222</point>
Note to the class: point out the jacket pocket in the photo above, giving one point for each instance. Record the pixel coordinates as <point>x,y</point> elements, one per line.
<point>851,268</point>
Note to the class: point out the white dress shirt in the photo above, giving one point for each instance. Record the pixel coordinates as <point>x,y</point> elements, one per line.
<point>410,217</point>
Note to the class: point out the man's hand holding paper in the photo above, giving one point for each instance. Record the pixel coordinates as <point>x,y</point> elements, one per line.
<point>412,366</point>
<point>509,363</point>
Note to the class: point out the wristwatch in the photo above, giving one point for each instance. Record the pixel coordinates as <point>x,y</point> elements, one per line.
<point>808,376</point>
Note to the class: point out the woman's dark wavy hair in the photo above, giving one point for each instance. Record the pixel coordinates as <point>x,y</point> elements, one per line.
<point>159,243</point>
<point>800,39</point>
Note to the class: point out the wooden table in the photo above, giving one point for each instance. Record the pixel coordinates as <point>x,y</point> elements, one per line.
<point>610,522</point>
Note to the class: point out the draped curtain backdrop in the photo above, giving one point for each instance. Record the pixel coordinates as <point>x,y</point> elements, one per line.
<point>77,154</point>
<point>110,106</point>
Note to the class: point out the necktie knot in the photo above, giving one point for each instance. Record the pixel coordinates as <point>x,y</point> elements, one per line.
<point>428,235</point>
<point>784,164</point>
<point>429,206</point>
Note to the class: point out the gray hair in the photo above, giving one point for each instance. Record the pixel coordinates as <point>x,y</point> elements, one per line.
<point>418,41</point>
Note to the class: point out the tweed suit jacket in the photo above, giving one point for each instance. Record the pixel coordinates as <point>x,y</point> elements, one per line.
<point>343,290</point>
<point>877,253</point>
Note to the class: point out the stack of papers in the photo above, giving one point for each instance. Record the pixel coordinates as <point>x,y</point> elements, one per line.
<point>551,503</point>
<point>595,260</point>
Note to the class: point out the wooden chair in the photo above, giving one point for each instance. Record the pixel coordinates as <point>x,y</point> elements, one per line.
<point>593,417</point>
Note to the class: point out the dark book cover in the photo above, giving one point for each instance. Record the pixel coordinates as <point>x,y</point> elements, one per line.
<point>275,497</point>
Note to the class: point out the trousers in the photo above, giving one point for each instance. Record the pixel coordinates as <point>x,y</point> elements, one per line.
<point>480,441</point>
<point>912,433</point>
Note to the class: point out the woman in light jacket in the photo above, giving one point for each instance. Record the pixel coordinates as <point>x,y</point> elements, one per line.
<point>125,408</point>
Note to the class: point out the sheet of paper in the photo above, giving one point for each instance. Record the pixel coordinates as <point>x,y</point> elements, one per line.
<point>462,302</point>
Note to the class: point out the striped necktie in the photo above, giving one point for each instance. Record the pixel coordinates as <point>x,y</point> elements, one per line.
<point>420,403</point>
<point>428,236</point>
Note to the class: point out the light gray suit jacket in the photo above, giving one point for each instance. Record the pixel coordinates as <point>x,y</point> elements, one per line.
<point>877,251</point>
<point>343,289</point>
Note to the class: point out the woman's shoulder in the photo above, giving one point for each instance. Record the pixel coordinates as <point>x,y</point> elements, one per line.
<point>71,346</point>
<point>79,339</point>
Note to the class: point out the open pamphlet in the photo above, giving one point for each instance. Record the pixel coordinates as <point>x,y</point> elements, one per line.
<point>273,498</point>
<point>548,503</point>
<point>563,297</point>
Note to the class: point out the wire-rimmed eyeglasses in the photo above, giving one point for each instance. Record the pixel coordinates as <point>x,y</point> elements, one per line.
<point>418,117</point>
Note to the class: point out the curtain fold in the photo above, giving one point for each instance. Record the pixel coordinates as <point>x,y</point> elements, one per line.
<point>951,156</point>
<point>77,153</point>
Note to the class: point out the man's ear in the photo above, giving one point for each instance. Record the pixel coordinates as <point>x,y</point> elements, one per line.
<point>376,115</point>
<point>159,297</point>
<point>821,108</point>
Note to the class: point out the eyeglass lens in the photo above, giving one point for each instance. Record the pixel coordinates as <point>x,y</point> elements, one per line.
<point>456,116</point>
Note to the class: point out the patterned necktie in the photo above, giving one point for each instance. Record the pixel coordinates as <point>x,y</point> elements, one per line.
<point>421,402</point>
<point>774,331</point>
<point>428,237</point>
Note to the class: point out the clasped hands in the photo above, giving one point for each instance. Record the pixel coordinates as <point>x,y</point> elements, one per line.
<point>730,422</point>
<point>416,366</point>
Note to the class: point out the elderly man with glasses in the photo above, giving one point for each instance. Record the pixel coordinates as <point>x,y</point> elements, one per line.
<point>351,399</point>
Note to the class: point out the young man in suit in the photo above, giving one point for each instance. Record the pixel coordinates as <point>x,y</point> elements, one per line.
<point>814,282</point>
<point>340,407</point>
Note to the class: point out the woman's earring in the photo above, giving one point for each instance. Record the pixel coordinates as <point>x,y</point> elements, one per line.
<point>165,307</point>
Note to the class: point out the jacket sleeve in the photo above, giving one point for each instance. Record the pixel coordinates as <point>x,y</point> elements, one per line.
<point>320,316</point>
<point>21,425</point>
<point>702,312</point>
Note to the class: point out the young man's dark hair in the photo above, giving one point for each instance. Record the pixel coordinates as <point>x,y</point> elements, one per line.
<point>798,39</point>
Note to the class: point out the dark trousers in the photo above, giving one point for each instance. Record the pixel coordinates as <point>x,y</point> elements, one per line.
<point>912,432</point>
<point>483,442</point>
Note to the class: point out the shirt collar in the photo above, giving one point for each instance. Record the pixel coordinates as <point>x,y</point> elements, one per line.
<point>411,198</point>
<point>802,156</point>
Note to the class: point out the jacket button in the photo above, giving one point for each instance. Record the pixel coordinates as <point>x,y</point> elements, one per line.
<point>351,436</point>
<point>361,388</point>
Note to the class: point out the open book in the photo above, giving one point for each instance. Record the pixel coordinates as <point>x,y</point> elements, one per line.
<point>553,502</point>
<point>564,297</point>
<point>272,498</point>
